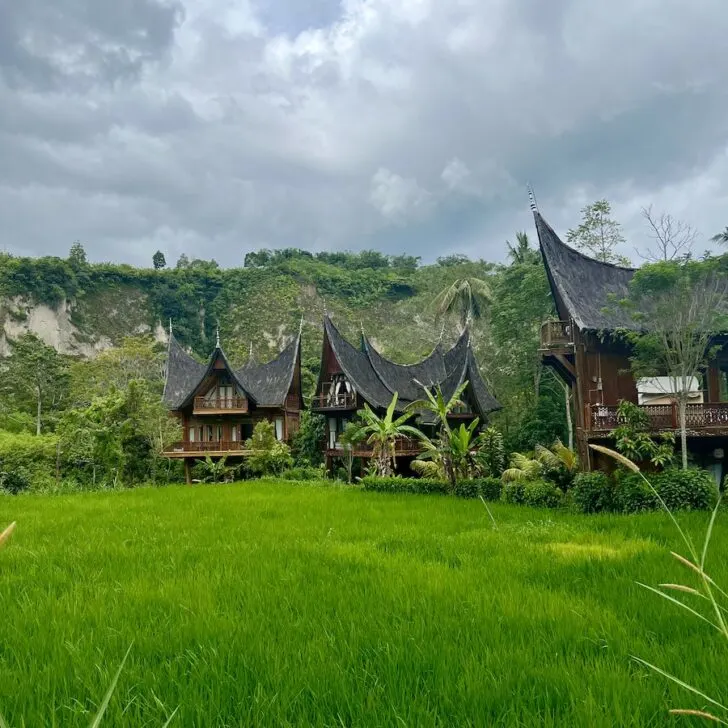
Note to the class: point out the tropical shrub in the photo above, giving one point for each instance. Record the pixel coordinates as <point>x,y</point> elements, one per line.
<point>593,493</point>
<point>491,457</point>
<point>15,481</point>
<point>269,455</point>
<point>26,460</point>
<point>467,489</point>
<point>303,473</point>
<point>514,492</point>
<point>633,494</point>
<point>486,488</point>
<point>633,439</point>
<point>542,494</point>
<point>689,490</point>
<point>306,443</point>
<point>395,484</point>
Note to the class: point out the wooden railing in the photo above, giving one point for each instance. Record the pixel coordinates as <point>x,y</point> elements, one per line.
<point>234,403</point>
<point>603,418</point>
<point>363,449</point>
<point>212,446</point>
<point>556,334</point>
<point>343,400</point>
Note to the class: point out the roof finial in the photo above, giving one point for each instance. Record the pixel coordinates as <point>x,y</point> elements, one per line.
<point>250,352</point>
<point>300,326</point>
<point>170,327</point>
<point>532,198</point>
<point>217,336</point>
<point>326,311</point>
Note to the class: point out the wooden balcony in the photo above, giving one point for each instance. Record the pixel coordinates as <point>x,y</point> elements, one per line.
<point>217,448</point>
<point>220,405</point>
<point>703,419</point>
<point>557,335</point>
<point>403,447</point>
<point>341,401</point>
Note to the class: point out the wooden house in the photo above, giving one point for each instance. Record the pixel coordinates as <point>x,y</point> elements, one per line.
<point>351,376</point>
<point>218,405</point>
<point>585,348</point>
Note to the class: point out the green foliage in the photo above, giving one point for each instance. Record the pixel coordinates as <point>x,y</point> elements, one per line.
<point>598,235</point>
<point>686,490</point>
<point>491,457</point>
<point>34,379</point>
<point>215,471</point>
<point>421,486</point>
<point>487,488</point>
<point>306,443</point>
<point>158,260</point>
<point>632,494</point>
<point>303,473</point>
<point>467,298</point>
<point>535,493</point>
<point>514,492</point>
<point>77,256</point>
<point>633,439</point>
<point>593,493</point>
<point>26,460</point>
<point>269,455</point>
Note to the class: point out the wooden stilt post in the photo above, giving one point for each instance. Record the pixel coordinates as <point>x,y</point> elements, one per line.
<point>188,471</point>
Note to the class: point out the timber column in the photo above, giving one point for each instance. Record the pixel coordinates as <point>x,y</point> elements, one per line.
<point>188,471</point>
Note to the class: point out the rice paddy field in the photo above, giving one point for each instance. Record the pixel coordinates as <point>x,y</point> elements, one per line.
<point>272,604</point>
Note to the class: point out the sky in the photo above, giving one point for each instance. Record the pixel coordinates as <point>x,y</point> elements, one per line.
<point>217,127</point>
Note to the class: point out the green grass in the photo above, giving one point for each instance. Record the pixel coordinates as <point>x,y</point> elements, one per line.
<point>274,604</point>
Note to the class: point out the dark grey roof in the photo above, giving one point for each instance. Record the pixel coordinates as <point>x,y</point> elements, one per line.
<point>588,288</point>
<point>357,367</point>
<point>405,379</point>
<point>270,383</point>
<point>265,385</point>
<point>377,378</point>
<point>183,374</point>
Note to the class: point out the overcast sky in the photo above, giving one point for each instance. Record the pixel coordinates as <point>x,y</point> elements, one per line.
<point>215,127</point>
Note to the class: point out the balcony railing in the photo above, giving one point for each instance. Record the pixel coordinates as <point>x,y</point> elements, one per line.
<point>343,401</point>
<point>206,405</point>
<point>224,446</point>
<point>556,334</point>
<point>402,446</point>
<point>604,418</point>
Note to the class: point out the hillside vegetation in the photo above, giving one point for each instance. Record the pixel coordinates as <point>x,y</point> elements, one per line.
<point>82,308</point>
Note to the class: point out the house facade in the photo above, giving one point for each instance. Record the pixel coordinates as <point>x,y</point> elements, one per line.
<point>585,349</point>
<point>218,405</point>
<point>351,376</point>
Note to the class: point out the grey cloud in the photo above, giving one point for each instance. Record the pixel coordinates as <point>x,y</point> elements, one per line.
<point>328,125</point>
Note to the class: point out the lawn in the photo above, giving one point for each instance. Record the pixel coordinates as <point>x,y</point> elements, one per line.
<point>275,604</point>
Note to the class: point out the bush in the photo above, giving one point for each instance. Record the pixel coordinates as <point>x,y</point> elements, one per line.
<point>514,492</point>
<point>486,488</point>
<point>688,490</point>
<point>404,485</point>
<point>593,493</point>
<point>303,473</point>
<point>270,456</point>
<point>542,494</point>
<point>633,495</point>
<point>25,460</point>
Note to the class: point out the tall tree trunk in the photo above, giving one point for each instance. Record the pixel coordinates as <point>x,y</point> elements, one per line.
<point>683,430</point>
<point>569,425</point>
<point>38,413</point>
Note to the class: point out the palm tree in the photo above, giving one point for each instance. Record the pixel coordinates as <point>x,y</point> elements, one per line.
<point>438,405</point>
<point>721,237</point>
<point>521,252</point>
<point>459,449</point>
<point>382,432</point>
<point>468,297</point>
<point>558,457</point>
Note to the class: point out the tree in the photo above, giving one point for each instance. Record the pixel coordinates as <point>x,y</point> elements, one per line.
<point>34,377</point>
<point>721,237</point>
<point>183,262</point>
<point>158,260</point>
<point>437,404</point>
<point>77,255</point>
<point>522,253</point>
<point>454,453</point>
<point>671,238</point>
<point>468,297</point>
<point>678,307</point>
<point>382,433</point>
<point>598,234</point>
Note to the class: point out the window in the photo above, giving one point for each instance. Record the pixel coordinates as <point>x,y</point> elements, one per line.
<point>332,433</point>
<point>279,428</point>
<point>219,434</point>
<point>234,433</point>
<point>192,434</point>
<point>209,434</point>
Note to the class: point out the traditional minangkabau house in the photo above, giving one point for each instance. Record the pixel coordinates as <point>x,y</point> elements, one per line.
<point>351,377</point>
<point>218,405</point>
<point>584,348</point>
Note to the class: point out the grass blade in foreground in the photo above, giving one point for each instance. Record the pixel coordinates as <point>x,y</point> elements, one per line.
<point>4,538</point>
<point>707,591</point>
<point>96,722</point>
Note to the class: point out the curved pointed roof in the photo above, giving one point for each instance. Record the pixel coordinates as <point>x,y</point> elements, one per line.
<point>265,385</point>
<point>588,288</point>
<point>377,378</point>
